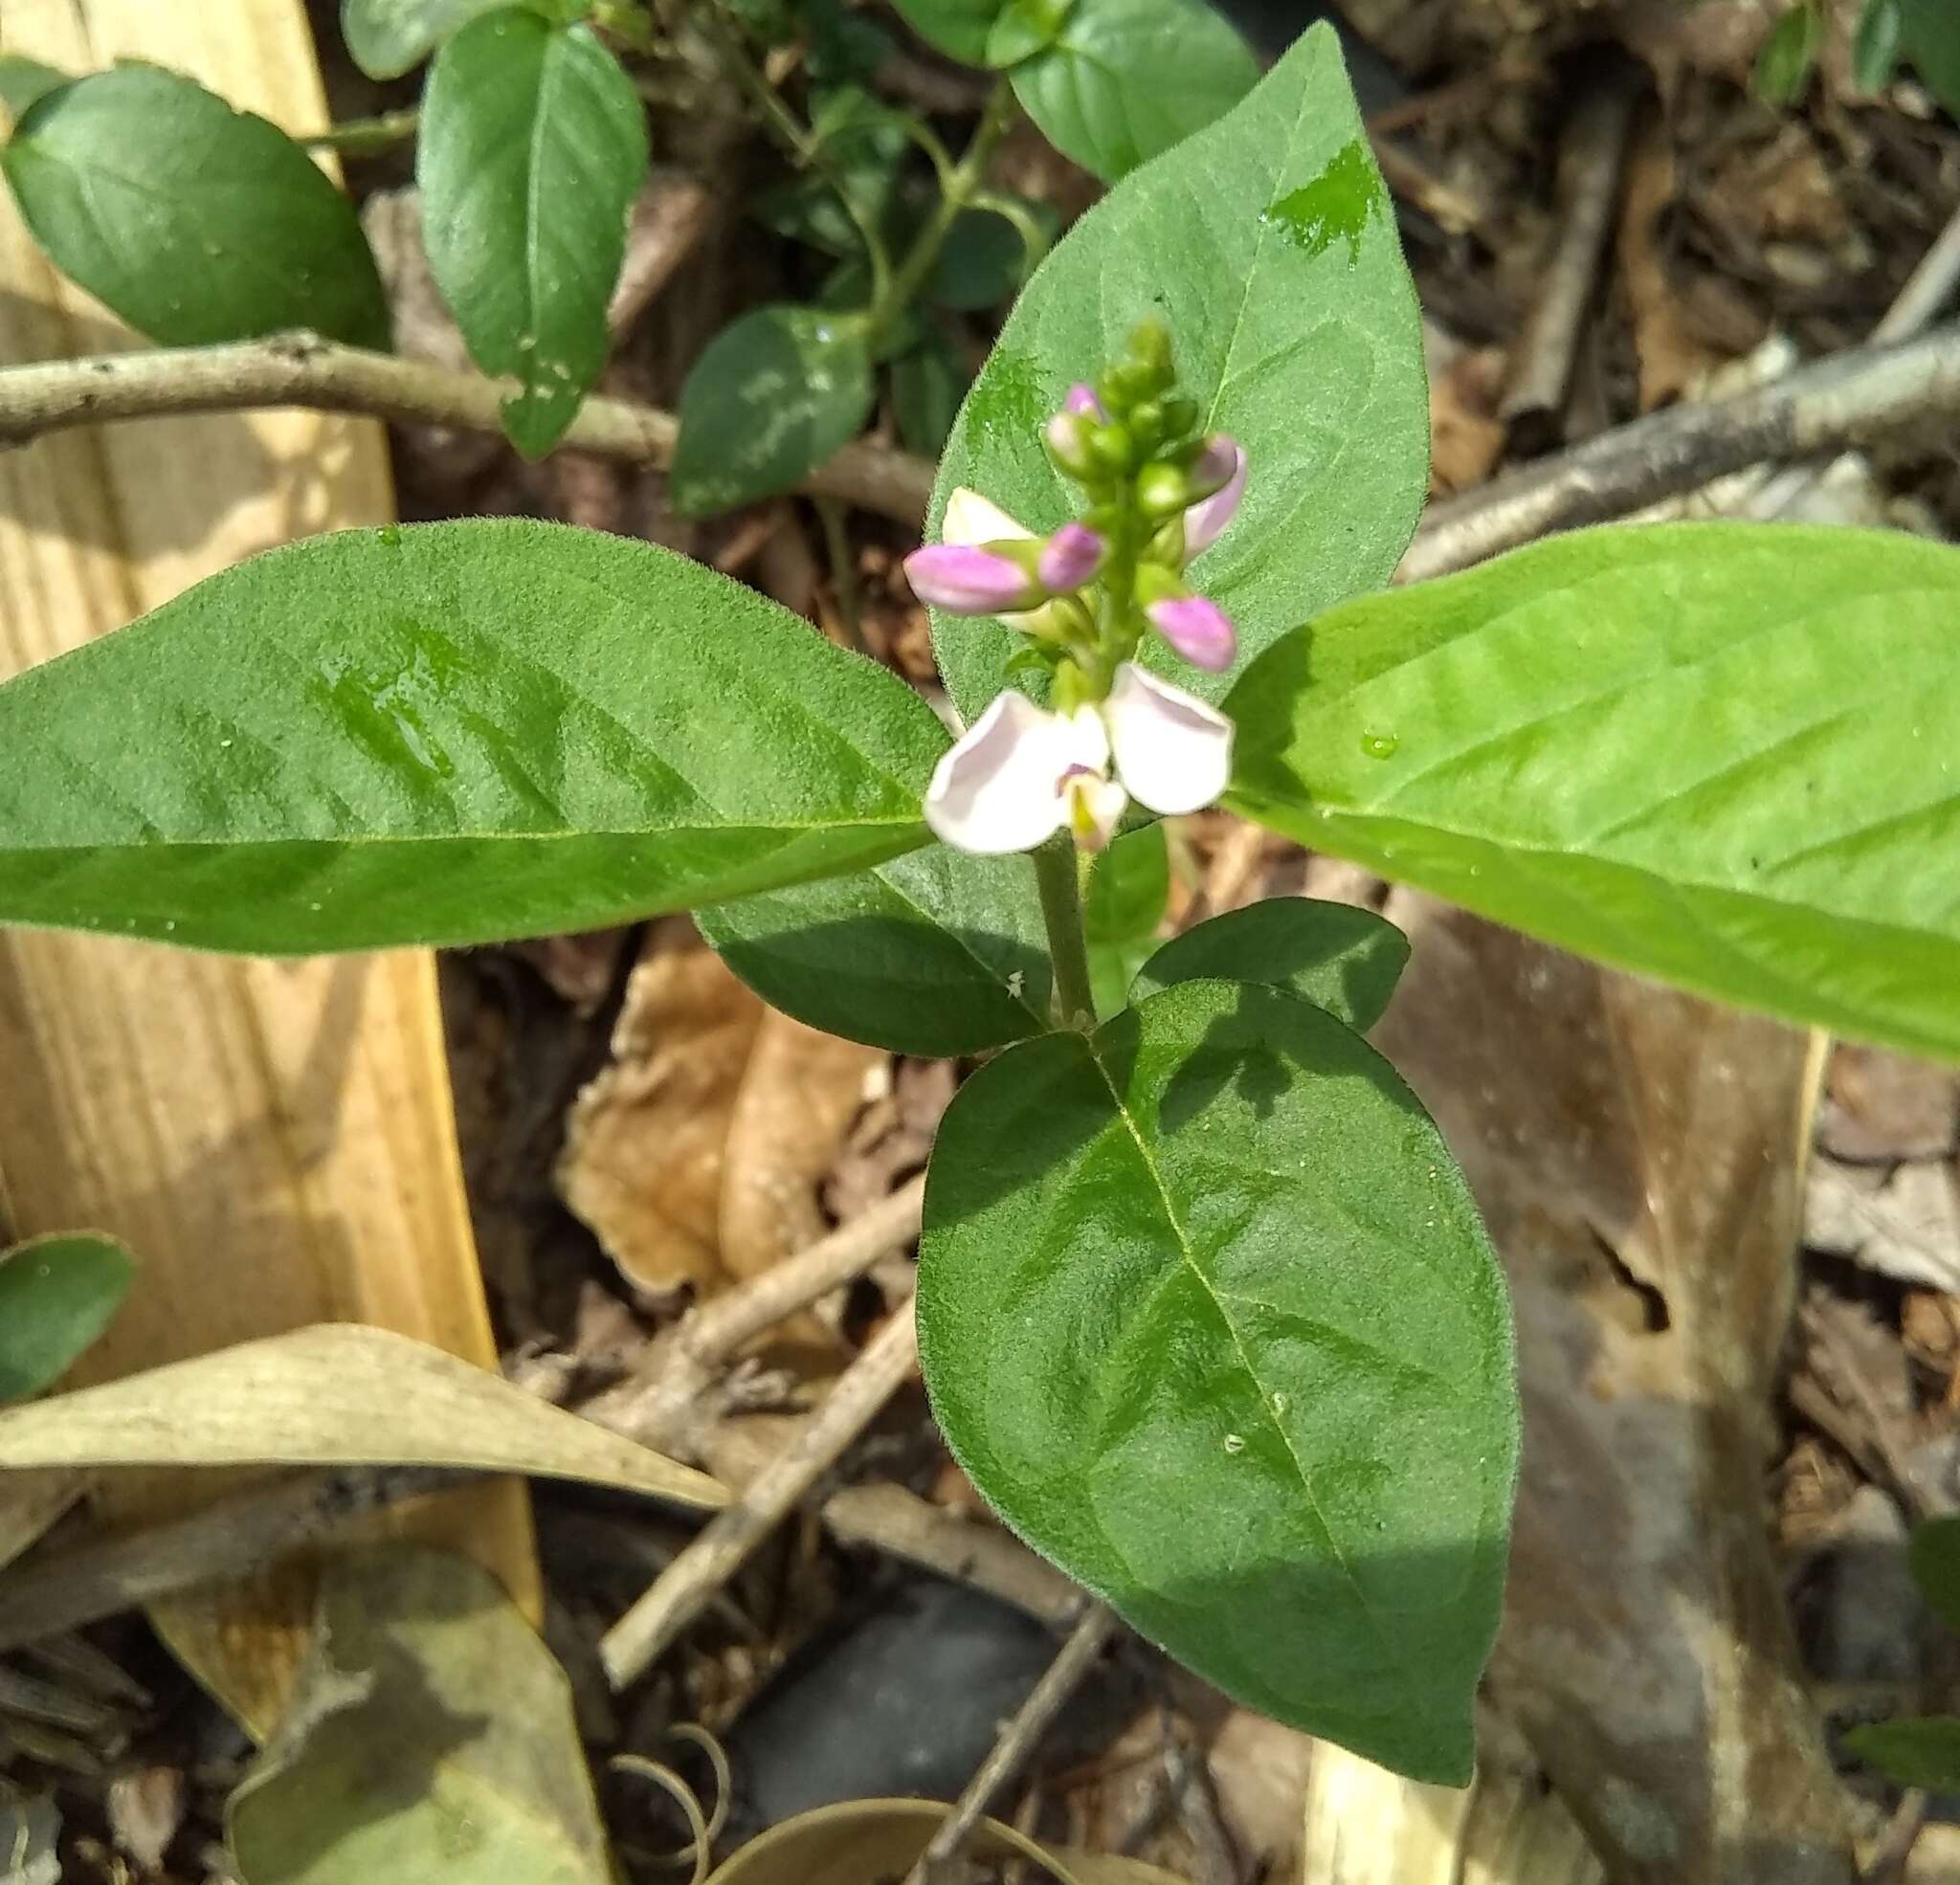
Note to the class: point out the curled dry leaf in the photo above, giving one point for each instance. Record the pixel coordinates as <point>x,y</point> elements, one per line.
<point>338,1394</point>
<point>695,1156</point>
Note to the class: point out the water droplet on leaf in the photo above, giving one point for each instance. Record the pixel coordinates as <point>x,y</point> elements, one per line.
<point>1379,745</point>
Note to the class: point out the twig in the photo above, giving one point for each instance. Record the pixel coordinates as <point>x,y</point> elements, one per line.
<point>724,1543</point>
<point>358,137</point>
<point>1017,1742</point>
<point>1857,397</point>
<point>302,370</point>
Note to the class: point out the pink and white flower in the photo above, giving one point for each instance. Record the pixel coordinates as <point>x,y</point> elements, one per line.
<point>1219,472</point>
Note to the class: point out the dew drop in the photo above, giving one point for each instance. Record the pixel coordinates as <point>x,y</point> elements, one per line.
<point>1379,745</point>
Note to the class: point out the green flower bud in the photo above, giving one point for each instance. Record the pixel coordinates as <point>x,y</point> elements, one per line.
<point>1163,490</point>
<point>1114,447</point>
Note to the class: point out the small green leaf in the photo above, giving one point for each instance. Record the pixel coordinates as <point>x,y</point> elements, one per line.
<point>192,221</point>
<point>1129,78</point>
<point>1717,754</point>
<point>981,262</point>
<point>774,394</point>
<point>1207,1315</point>
<point>958,28</point>
<point>1128,888</point>
<point>928,382</point>
<point>1341,959</point>
<point>1789,54</point>
<point>1876,46</point>
<point>1918,1751</point>
<point>1931,35</point>
<point>449,732</point>
<point>23,80</point>
<point>1935,1561</point>
<point>1025,28</point>
<point>1308,351</point>
<point>389,37</point>
<point>57,1293</point>
<point>533,145</point>
<point>935,954</point>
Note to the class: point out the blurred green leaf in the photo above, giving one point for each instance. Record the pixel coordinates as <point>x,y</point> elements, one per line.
<point>1935,1561</point>
<point>387,38</point>
<point>1930,31</point>
<point>958,28</point>
<point>1917,1751</point>
<point>1876,45</point>
<point>1129,886</point>
<point>1790,53</point>
<point>23,80</point>
<point>1024,28</point>
<point>57,1293</point>
<point>928,382</point>
<point>982,260</point>
<point>192,221</point>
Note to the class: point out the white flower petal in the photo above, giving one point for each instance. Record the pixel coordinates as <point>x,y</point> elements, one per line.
<point>1000,788</point>
<point>1094,808</point>
<point>971,519</point>
<point>1083,740</point>
<point>1171,750</point>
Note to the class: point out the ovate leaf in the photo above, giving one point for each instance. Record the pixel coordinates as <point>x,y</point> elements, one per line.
<point>934,954</point>
<point>1931,35</point>
<point>1267,245</point>
<point>1723,755</point>
<point>192,221</point>
<point>387,38</point>
<point>1876,45</point>
<point>23,80</point>
<point>1344,959</point>
<point>57,1293</point>
<point>928,382</point>
<point>1790,53</point>
<point>958,28</point>
<point>1207,1314</point>
<point>773,395</point>
<point>1918,1751</point>
<point>1128,891</point>
<point>1935,1559</point>
<point>533,143</point>
<point>450,732</point>
<point>1128,79</point>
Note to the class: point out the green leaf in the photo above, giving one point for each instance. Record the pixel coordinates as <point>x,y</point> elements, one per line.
<point>433,1739</point>
<point>1129,78</point>
<point>389,37</point>
<point>980,264</point>
<point>451,732</point>
<point>1876,45</point>
<point>1920,1751</point>
<point>57,1293</point>
<point>935,954</point>
<point>1128,888</point>
<point>1789,54</point>
<point>1935,1561</point>
<point>23,80</point>
<point>1025,28</point>
<point>1207,1315</point>
<point>773,395</point>
<point>533,143</point>
<point>1722,755</point>
<point>1931,35</point>
<point>958,28</point>
<point>1341,959</point>
<point>1268,246</point>
<point>927,385</point>
<point>192,221</point>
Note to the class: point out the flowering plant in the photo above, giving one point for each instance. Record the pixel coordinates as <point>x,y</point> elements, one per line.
<point>1205,1308</point>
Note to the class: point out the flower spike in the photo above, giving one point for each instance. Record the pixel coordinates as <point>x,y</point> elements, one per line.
<point>1199,629</point>
<point>1220,469</point>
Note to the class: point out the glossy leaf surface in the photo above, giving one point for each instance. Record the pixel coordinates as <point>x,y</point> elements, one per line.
<point>387,38</point>
<point>958,28</point>
<point>1206,1311</point>
<point>57,1293</point>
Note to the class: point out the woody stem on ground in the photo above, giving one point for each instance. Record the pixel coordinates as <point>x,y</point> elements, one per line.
<point>1057,877</point>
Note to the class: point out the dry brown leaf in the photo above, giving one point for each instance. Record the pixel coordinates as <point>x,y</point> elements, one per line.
<point>340,1394</point>
<point>695,1157</point>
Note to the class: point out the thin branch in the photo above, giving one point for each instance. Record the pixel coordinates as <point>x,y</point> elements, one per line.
<point>302,370</point>
<point>1854,398</point>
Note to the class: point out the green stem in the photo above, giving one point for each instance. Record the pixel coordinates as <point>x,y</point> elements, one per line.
<point>1059,882</point>
<point>836,543</point>
<point>359,136</point>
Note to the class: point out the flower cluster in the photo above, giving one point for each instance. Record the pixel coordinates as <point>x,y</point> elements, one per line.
<point>1157,493</point>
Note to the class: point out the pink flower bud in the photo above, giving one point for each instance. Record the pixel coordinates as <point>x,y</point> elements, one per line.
<point>1199,629</point>
<point>968,580</point>
<point>1070,558</point>
<point>1219,470</point>
<point>1082,401</point>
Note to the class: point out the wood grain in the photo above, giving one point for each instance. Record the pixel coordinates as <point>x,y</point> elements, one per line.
<point>274,1139</point>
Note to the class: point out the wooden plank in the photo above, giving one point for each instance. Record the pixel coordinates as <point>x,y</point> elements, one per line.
<point>275,1140</point>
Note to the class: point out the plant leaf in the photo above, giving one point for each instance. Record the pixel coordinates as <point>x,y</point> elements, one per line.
<point>1935,1560</point>
<point>433,1739</point>
<point>23,80</point>
<point>450,732</point>
<point>958,28</point>
<point>928,382</point>
<point>1333,955</point>
<point>533,143</point>
<point>1206,1313</point>
<point>192,221</point>
<point>982,260</point>
<point>1931,35</point>
<point>1722,755</point>
<point>1918,1751</point>
<point>1789,54</point>
<point>1128,889</point>
<point>1877,44</point>
<point>771,397</point>
<point>389,37</point>
<point>1268,246</point>
<point>1129,78</point>
<point>57,1293</point>
<point>935,954</point>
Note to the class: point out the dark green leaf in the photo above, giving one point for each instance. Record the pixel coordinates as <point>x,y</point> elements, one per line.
<point>1717,754</point>
<point>980,266</point>
<point>1268,246</point>
<point>1876,45</point>
<point>927,385</point>
<point>1025,28</point>
<point>1931,33</point>
<point>532,148</point>
<point>1344,959</point>
<point>23,80</point>
<point>958,28</point>
<point>58,1295</point>
<point>774,394</point>
<point>193,222</point>
<point>1923,1751</point>
<point>1790,53</point>
<point>1129,78</point>
<point>842,47</point>
<point>387,38</point>
<point>448,733</point>
<point>1206,1313</point>
<point>1935,1560</point>
<point>1128,888</point>
<point>934,954</point>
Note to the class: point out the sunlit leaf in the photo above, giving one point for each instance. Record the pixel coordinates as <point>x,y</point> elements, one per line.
<point>1128,888</point>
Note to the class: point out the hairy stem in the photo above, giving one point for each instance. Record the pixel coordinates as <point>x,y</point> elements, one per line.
<point>1061,912</point>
